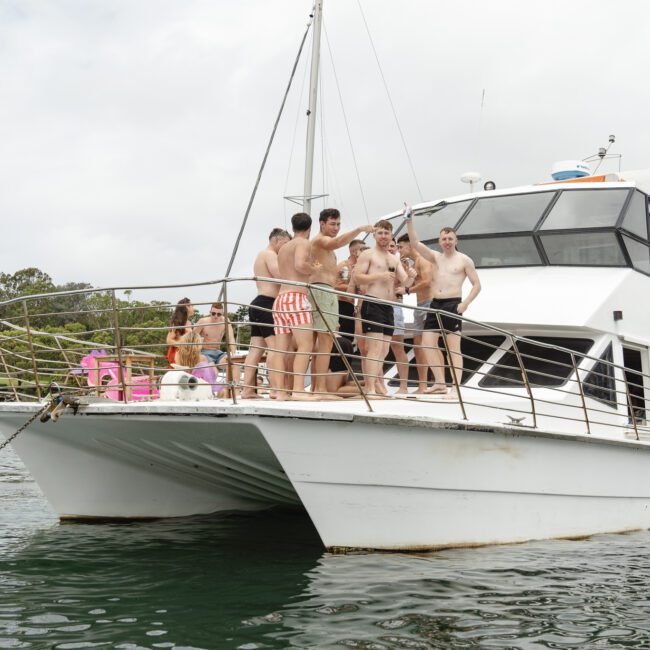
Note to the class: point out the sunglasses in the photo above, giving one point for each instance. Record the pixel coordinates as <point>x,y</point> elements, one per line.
<point>216,313</point>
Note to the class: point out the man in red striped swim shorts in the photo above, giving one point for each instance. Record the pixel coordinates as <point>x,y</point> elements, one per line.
<point>291,309</point>
<point>292,312</point>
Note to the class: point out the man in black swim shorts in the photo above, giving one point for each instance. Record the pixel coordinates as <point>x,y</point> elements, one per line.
<point>260,313</point>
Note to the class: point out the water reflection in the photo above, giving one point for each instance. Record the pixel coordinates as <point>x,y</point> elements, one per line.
<point>263,581</point>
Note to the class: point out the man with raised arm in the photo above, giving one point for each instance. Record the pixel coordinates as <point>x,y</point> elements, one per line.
<point>326,307</point>
<point>292,311</point>
<point>423,289</point>
<point>377,271</point>
<point>260,313</point>
<point>453,268</point>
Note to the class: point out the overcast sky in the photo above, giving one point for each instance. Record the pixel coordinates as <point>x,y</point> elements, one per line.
<point>131,132</point>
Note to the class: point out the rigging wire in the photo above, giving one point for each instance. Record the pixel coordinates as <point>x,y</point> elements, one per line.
<point>293,140</point>
<point>266,154</point>
<point>347,127</point>
<point>390,101</point>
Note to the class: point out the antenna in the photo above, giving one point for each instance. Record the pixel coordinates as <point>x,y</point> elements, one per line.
<point>603,153</point>
<point>471,178</point>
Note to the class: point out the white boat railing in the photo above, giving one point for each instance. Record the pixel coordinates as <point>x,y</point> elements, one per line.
<point>49,338</point>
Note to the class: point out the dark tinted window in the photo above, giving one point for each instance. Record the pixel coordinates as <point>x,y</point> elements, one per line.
<point>476,351</point>
<point>599,383</point>
<point>583,249</point>
<point>639,254</point>
<point>586,209</point>
<point>544,366</point>
<point>636,218</point>
<point>501,251</point>
<point>428,223</point>
<point>505,213</point>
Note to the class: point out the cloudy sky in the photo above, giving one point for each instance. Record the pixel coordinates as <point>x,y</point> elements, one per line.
<point>131,132</point>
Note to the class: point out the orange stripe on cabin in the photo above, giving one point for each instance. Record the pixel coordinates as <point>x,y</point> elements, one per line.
<point>583,179</point>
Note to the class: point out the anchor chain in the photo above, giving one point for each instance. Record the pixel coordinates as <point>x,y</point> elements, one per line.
<point>52,410</point>
<point>24,426</point>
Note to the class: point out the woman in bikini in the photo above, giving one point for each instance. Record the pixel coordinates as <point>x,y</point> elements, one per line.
<point>180,325</point>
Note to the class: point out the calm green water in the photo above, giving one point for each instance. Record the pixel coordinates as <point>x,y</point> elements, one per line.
<point>265,582</point>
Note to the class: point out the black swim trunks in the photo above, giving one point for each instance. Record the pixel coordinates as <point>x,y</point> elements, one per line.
<point>377,318</point>
<point>449,323</point>
<point>346,319</point>
<point>260,316</point>
<point>336,362</point>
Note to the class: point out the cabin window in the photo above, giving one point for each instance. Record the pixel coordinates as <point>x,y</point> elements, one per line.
<point>431,221</point>
<point>583,249</point>
<point>639,254</point>
<point>600,383</point>
<point>544,366</point>
<point>586,209</point>
<point>499,214</point>
<point>501,251</point>
<point>636,217</point>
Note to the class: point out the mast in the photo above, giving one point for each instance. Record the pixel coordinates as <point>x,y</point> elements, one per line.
<point>311,111</point>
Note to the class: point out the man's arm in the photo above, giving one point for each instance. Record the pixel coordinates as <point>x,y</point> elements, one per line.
<point>424,270</point>
<point>361,275</point>
<point>198,328</point>
<point>302,259</point>
<point>341,285</point>
<point>271,260</point>
<point>415,242</point>
<point>472,276</point>
<point>405,278</point>
<point>332,243</point>
<point>232,347</point>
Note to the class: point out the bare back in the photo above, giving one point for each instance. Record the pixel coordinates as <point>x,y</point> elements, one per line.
<point>266,264</point>
<point>291,258</point>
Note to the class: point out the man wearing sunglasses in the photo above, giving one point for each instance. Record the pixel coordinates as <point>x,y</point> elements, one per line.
<point>212,329</point>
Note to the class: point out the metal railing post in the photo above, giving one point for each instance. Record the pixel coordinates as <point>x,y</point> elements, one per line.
<point>451,366</point>
<point>629,405</point>
<point>118,344</point>
<point>31,349</point>
<point>9,377</point>
<point>524,378</point>
<point>340,351</point>
<point>582,392</point>
<point>226,335</point>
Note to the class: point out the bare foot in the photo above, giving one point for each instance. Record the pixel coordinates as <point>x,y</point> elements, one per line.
<point>452,395</point>
<point>302,397</point>
<point>402,391</point>
<point>437,390</point>
<point>246,394</point>
<point>421,391</point>
<point>279,396</point>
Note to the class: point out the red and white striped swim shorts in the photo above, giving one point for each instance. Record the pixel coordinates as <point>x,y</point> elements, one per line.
<point>290,310</point>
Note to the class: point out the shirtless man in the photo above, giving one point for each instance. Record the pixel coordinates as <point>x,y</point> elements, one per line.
<point>453,268</point>
<point>260,313</point>
<point>346,305</point>
<point>212,329</point>
<point>377,271</point>
<point>326,310</point>
<point>423,289</point>
<point>292,311</point>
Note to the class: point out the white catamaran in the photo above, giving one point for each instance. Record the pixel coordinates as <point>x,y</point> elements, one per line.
<point>547,439</point>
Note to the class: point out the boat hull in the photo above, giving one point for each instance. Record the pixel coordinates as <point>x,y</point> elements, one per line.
<point>368,481</point>
<point>413,486</point>
<point>113,466</point>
